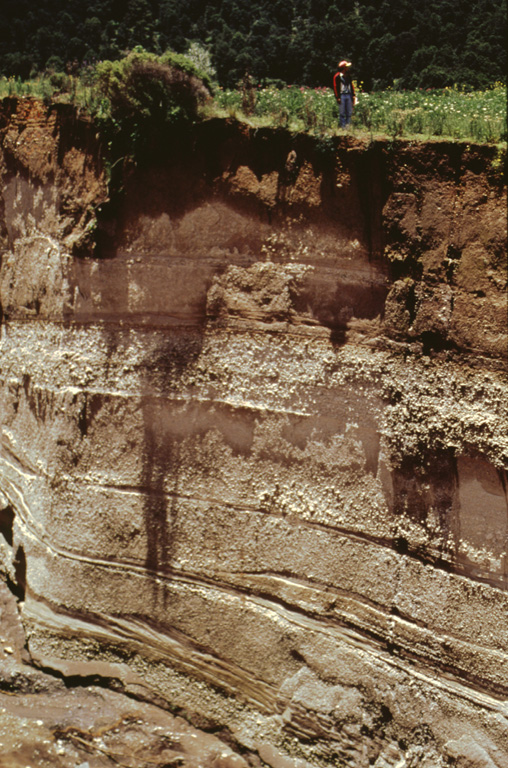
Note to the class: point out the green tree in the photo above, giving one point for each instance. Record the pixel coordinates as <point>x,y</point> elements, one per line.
<point>298,41</point>
<point>145,94</point>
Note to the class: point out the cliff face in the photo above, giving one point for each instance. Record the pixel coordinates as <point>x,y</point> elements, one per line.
<point>254,434</point>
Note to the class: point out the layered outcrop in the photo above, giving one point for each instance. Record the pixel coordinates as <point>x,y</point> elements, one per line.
<point>254,433</point>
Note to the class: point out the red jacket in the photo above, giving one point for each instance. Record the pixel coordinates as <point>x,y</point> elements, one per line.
<point>348,81</point>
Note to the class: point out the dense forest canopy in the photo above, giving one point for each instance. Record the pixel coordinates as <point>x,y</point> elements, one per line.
<point>401,43</point>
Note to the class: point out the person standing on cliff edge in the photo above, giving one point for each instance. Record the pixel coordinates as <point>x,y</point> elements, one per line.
<point>344,93</point>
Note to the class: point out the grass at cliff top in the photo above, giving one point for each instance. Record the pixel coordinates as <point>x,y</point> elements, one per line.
<point>448,113</point>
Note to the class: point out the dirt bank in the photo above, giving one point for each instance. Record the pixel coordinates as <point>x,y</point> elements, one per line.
<point>254,450</point>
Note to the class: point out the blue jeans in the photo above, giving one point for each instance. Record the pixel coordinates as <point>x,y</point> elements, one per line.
<point>345,109</point>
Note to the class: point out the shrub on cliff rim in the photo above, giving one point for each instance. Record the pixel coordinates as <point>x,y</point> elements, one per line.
<point>144,93</point>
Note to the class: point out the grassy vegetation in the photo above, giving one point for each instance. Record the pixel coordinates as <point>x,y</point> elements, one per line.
<point>448,113</point>
<point>58,87</point>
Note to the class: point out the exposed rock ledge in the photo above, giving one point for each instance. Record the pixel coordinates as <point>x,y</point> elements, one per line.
<point>254,445</point>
